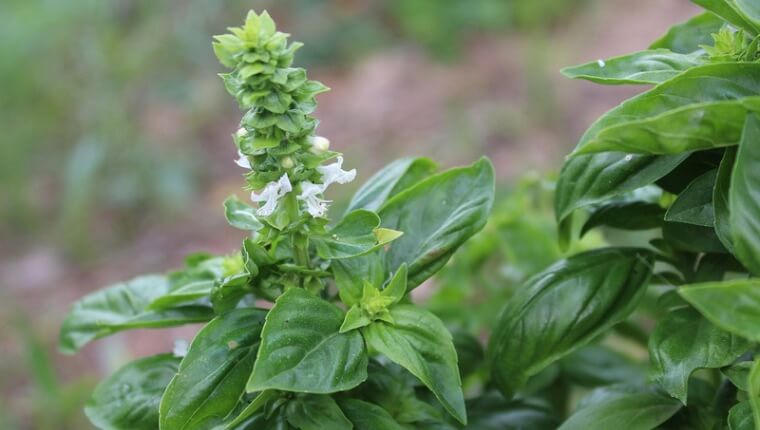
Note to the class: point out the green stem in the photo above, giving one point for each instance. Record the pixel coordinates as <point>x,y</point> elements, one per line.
<point>299,239</point>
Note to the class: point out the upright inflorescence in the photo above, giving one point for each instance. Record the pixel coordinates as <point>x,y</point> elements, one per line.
<point>276,139</point>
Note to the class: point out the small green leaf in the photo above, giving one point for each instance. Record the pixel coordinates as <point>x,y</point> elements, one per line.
<point>121,307</point>
<point>731,305</point>
<point>695,204</point>
<point>188,292</point>
<point>396,288</point>
<point>740,417</point>
<point>492,412</point>
<point>128,399</point>
<point>683,342</point>
<point>645,67</point>
<point>389,181</point>
<point>241,215</point>
<point>212,376</point>
<point>687,37</point>
<point>563,308</point>
<point>356,234</point>
<point>351,273</point>
<point>721,197</point>
<point>419,342</point>
<point>316,412</point>
<point>303,351</point>
<point>627,215</point>
<point>754,391</point>
<point>738,374</point>
<point>355,318</point>
<point>644,410</point>
<point>744,197</point>
<point>368,416</point>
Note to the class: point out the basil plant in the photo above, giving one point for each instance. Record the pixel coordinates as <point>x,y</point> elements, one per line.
<point>310,325</point>
<point>677,169</point>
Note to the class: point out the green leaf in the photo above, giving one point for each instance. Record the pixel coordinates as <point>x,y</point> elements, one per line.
<point>749,9</point>
<point>702,108</point>
<point>356,234</point>
<point>754,391</point>
<point>644,67</point>
<point>738,374</point>
<point>241,215</point>
<point>437,215</point>
<point>562,308</point>
<point>692,238</point>
<point>374,303</point>
<point>185,293</point>
<point>634,411</point>
<point>626,215</point>
<point>740,417</point>
<point>419,342</point>
<point>687,37</point>
<point>590,179</point>
<point>389,181</point>
<point>351,273</point>
<point>470,352</point>
<point>727,9</point>
<point>128,399</point>
<point>596,365</point>
<point>731,305</point>
<point>368,416</point>
<point>122,307</point>
<point>316,412</point>
<point>695,204</point>
<point>721,199</point>
<point>212,376</point>
<point>302,350</point>
<point>744,197</point>
<point>683,342</point>
<point>492,412</point>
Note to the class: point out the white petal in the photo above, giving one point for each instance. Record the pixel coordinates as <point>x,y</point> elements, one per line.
<point>243,161</point>
<point>315,205</point>
<point>333,173</point>
<point>271,194</point>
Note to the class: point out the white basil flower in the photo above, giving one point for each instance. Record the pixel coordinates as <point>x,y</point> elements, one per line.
<point>271,194</point>
<point>333,173</point>
<point>243,160</point>
<point>315,205</point>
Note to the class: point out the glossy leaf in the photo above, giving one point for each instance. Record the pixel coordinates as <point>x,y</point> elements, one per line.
<point>740,417</point>
<point>731,305</point>
<point>744,197</point>
<point>596,365</point>
<point>563,308</point>
<point>644,410</point>
<point>351,273</point>
<point>683,342</point>
<point>241,215</point>
<point>738,374</point>
<point>703,108</point>
<point>492,412</point>
<point>193,290</point>
<point>389,181</point>
<point>749,9</point>
<point>316,412</point>
<point>368,416</point>
<point>128,399</point>
<point>644,67</point>
<point>302,350</point>
<point>687,37</point>
<point>419,342</point>
<point>728,10</point>
<point>122,307</point>
<point>634,215</point>
<point>695,204</point>
<point>437,215</point>
<point>356,234</point>
<point>212,376</point>
<point>692,238</point>
<point>721,202</point>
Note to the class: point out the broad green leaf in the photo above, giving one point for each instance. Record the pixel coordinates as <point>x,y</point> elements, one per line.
<point>596,365</point>
<point>589,179</point>
<point>683,342</point>
<point>368,416</point>
<point>185,293</point>
<point>470,352</point>
<point>389,181</point>
<point>721,199</point>
<point>419,342</point>
<point>740,417</point>
<point>731,305</point>
<point>562,308</point>
<point>302,350</point>
<point>633,411</point>
<point>645,67</point>
<point>316,412</point>
<point>728,10</point>
<point>491,411</point>
<point>241,215</point>
<point>738,374</point>
<point>437,215</point>
<point>687,37</point>
<point>627,215</point>
<point>754,391</point>
<point>351,273</point>
<point>696,110</point>
<point>356,234</point>
<point>122,307</point>
<point>128,399</point>
<point>692,238</point>
<point>744,197</point>
<point>695,204</point>
<point>212,376</point>
<point>750,9</point>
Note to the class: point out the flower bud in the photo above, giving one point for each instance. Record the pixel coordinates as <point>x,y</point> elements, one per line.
<point>319,144</point>
<point>287,163</point>
<point>241,132</point>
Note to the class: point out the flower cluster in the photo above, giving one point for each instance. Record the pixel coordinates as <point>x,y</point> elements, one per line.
<point>276,140</point>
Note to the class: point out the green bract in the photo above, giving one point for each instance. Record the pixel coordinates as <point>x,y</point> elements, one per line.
<point>303,360</point>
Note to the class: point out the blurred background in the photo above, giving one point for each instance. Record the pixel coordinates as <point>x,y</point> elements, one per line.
<point>115,148</point>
